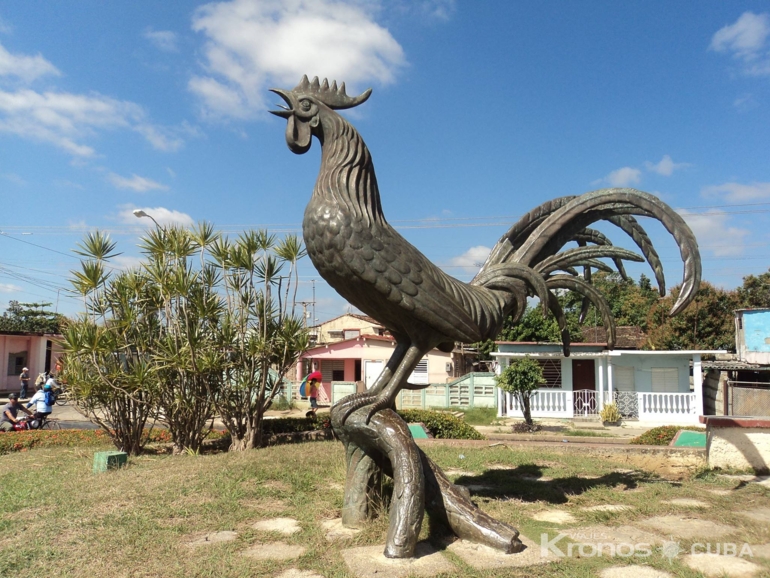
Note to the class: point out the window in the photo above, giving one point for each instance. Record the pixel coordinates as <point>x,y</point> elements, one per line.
<point>551,372</point>
<point>16,362</point>
<point>351,333</point>
<point>665,379</point>
<point>332,370</point>
<point>420,374</point>
<point>623,378</point>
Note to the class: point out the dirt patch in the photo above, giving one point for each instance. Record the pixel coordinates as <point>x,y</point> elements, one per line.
<point>336,486</point>
<point>608,508</point>
<point>555,517</point>
<point>758,514</point>
<point>482,557</point>
<point>212,538</point>
<point>456,472</point>
<point>720,492</point>
<point>687,503</point>
<point>633,571</point>
<point>715,565</point>
<point>686,527</point>
<point>266,504</point>
<point>370,562</point>
<point>274,551</point>
<point>276,485</point>
<point>762,551</point>
<point>336,531</point>
<point>287,526</point>
<point>294,573</point>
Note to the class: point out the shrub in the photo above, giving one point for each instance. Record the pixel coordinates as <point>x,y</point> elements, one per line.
<point>441,425</point>
<point>284,425</point>
<point>610,413</point>
<point>661,436</point>
<point>26,440</point>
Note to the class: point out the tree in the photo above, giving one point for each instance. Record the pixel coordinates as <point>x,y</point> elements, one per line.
<point>708,322</point>
<point>522,377</point>
<point>204,324</point>
<point>755,291</point>
<point>31,317</point>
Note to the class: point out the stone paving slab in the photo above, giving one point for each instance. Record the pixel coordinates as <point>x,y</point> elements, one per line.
<point>370,562</point>
<point>555,517</point>
<point>213,538</point>
<point>294,573</point>
<point>484,557</point>
<point>687,527</point>
<point>287,526</point>
<point>614,535</point>
<point>274,551</point>
<point>336,531</point>
<point>719,566</point>
<point>633,572</point>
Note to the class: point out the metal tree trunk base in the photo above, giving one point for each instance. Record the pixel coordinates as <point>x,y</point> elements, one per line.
<point>386,445</point>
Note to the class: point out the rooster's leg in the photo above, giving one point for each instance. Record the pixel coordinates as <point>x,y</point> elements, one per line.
<point>358,400</point>
<point>388,395</point>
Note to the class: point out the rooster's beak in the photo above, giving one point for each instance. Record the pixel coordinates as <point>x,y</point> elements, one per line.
<point>286,112</point>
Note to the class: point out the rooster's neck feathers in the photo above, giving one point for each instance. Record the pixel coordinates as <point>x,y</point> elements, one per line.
<point>347,173</point>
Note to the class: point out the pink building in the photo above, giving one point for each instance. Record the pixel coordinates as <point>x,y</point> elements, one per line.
<point>363,357</point>
<point>37,351</point>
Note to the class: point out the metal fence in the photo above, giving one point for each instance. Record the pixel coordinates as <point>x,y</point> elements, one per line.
<point>748,398</point>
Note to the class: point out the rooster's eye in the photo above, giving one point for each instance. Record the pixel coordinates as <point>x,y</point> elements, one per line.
<point>305,105</point>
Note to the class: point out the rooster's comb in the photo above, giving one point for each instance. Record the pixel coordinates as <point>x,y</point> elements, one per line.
<point>331,96</point>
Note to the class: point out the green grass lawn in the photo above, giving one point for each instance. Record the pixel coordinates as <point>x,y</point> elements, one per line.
<point>59,519</point>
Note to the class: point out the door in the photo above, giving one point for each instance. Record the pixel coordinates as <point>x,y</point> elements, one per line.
<point>372,370</point>
<point>584,387</point>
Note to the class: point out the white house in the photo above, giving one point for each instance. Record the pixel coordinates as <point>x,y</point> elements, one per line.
<point>663,387</point>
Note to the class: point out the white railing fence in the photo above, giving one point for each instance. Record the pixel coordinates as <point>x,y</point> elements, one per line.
<point>668,407</point>
<point>544,403</point>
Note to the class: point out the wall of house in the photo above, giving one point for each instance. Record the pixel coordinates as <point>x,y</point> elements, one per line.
<point>643,365</point>
<point>342,323</point>
<point>34,346</point>
<point>377,350</point>
<point>753,336</point>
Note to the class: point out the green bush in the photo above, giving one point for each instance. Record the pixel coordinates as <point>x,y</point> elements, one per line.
<point>441,425</point>
<point>22,441</point>
<point>284,425</point>
<point>661,436</point>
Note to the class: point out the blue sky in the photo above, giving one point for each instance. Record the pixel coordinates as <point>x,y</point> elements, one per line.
<point>480,111</point>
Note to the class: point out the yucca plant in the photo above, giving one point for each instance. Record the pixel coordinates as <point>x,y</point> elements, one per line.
<point>204,325</point>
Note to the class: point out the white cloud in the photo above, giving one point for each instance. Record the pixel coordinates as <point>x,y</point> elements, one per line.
<point>126,262</point>
<point>665,167</point>
<point>251,43</point>
<point>745,40</point>
<point>162,39</point>
<point>9,288</point>
<point>745,103</point>
<point>162,215</point>
<point>713,233</point>
<point>621,177</point>
<point>15,179</point>
<point>736,192</point>
<point>135,183</point>
<point>65,119</point>
<point>27,68</point>
<point>5,28</point>
<point>472,259</point>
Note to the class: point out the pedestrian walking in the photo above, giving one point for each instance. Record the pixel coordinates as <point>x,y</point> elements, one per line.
<point>24,381</point>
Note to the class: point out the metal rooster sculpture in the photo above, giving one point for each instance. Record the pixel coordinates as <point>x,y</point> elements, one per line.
<point>359,254</point>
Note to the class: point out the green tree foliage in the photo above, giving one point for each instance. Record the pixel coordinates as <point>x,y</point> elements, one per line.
<point>521,378</point>
<point>31,317</point>
<point>708,322</point>
<point>205,325</point>
<point>755,291</point>
<point>629,301</point>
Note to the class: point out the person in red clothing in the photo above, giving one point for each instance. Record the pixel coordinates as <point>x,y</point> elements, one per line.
<point>311,390</point>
